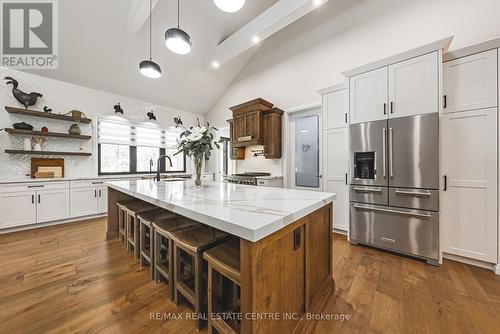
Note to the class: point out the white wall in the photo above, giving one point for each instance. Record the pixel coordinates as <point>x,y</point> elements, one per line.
<point>63,97</point>
<point>310,54</point>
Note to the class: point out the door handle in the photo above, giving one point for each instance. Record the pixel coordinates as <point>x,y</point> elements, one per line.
<point>100,193</point>
<point>445,183</point>
<point>391,159</point>
<point>345,115</point>
<point>413,193</point>
<point>32,199</point>
<point>385,108</point>
<point>384,154</point>
<point>397,212</point>
<point>367,190</point>
<point>346,179</point>
<point>38,199</point>
<point>296,239</point>
<point>39,186</point>
<point>95,193</point>
<point>445,101</point>
<point>392,107</point>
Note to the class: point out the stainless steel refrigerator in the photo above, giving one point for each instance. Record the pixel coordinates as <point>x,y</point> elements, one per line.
<point>394,188</point>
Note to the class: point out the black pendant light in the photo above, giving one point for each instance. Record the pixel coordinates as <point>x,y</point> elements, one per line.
<point>149,68</point>
<point>177,40</point>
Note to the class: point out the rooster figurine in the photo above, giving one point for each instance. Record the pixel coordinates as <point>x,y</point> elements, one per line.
<point>25,99</point>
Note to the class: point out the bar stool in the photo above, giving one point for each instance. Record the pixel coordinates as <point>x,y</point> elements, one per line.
<point>224,279</point>
<point>146,237</point>
<point>189,267</point>
<point>132,226</point>
<point>163,254</point>
<point>122,226</point>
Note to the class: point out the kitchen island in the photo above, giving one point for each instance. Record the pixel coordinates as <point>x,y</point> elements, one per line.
<point>285,242</point>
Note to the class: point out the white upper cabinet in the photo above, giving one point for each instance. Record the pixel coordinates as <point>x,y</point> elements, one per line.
<point>469,198</point>
<point>17,208</point>
<point>471,82</point>
<point>413,86</point>
<point>53,204</point>
<point>368,96</point>
<point>335,109</point>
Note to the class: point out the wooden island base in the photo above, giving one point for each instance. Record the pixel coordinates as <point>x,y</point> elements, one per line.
<point>284,276</point>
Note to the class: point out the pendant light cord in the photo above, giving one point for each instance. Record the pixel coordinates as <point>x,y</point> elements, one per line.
<point>150,28</point>
<point>178,15</point>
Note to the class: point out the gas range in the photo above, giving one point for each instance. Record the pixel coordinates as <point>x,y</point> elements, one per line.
<point>249,178</point>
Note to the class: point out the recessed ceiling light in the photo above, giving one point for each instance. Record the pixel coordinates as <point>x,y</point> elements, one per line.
<point>317,2</point>
<point>215,64</point>
<point>229,6</point>
<point>255,39</point>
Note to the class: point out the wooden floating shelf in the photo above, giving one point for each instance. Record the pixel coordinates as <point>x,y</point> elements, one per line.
<point>47,152</point>
<point>41,114</point>
<point>46,134</point>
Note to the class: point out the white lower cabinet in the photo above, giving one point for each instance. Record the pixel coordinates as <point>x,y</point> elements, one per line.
<point>52,204</point>
<point>102,199</point>
<point>89,201</point>
<point>83,201</point>
<point>469,197</point>
<point>17,208</point>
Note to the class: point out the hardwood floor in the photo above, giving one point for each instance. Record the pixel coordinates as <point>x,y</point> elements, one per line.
<point>68,279</point>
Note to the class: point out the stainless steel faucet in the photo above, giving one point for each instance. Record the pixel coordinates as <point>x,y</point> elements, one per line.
<point>158,165</point>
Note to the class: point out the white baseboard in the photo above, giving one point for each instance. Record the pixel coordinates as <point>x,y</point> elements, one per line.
<point>335,230</point>
<point>477,263</point>
<point>57,222</point>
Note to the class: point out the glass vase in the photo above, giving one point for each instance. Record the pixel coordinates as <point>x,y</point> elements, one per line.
<point>198,169</point>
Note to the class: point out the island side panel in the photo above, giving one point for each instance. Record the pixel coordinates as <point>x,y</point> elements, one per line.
<point>112,227</point>
<point>278,275</point>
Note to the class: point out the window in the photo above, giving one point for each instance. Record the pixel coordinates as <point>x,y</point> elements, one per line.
<point>125,148</point>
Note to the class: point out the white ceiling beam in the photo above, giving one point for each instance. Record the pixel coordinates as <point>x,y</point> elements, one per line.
<point>138,13</point>
<point>275,18</point>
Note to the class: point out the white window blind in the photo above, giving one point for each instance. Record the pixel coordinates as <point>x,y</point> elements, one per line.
<point>112,132</point>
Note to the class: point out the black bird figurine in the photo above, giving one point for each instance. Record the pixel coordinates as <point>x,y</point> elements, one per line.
<point>25,99</point>
<point>151,116</point>
<point>47,109</point>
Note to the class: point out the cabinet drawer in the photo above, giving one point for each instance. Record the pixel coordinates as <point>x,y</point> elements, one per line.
<point>15,187</point>
<point>87,183</point>
<point>369,194</point>
<point>412,232</point>
<point>414,198</point>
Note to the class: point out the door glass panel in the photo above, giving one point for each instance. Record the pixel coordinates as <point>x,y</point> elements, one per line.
<point>307,151</point>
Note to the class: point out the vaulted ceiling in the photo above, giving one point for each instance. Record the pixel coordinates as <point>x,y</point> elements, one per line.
<point>100,48</point>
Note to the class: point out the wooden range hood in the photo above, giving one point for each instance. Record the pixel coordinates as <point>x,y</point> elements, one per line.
<point>256,122</point>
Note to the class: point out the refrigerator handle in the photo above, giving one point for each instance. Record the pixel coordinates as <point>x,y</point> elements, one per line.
<point>391,159</point>
<point>384,157</point>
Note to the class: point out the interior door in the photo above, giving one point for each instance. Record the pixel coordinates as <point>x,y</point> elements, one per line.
<point>469,202</point>
<point>305,167</point>
<point>17,208</point>
<point>471,82</point>
<point>52,205</point>
<point>413,144</point>
<point>413,86</point>
<point>335,173</point>
<point>368,96</point>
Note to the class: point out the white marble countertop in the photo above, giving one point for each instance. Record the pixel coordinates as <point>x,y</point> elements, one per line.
<point>83,178</point>
<point>248,212</point>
